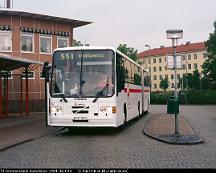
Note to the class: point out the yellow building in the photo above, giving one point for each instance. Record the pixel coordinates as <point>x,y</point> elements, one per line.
<point>155,60</point>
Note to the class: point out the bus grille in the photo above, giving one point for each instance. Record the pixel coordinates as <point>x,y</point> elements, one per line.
<point>80,109</point>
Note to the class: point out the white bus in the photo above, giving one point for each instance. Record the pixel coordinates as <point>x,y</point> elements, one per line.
<point>94,87</point>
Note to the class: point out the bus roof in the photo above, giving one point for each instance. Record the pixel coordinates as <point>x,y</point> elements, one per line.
<point>85,48</point>
<point>97,48</point>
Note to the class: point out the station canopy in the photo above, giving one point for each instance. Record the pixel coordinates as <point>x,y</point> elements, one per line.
<point>9,63</point>
<point>45,17</point>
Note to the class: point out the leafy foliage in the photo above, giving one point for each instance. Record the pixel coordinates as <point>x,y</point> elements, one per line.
<point>186,97</point>
<point>129,51</point>
<point>77,43</point>
<point>209,66</point>
<point>164,84</point>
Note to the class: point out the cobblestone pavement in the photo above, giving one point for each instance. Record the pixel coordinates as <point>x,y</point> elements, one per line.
<point>123,148</point>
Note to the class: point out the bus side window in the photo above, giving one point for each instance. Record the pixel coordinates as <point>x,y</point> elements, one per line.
<point>120,73</point>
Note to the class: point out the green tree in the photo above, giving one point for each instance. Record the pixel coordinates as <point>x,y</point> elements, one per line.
<point>164,84</point>
<point>129,51</point>
<point>196,79</point>
<point>77,43</point>
<point>209,66</point>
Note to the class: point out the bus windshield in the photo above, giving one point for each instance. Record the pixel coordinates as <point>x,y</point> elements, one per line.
<point>83,73</point>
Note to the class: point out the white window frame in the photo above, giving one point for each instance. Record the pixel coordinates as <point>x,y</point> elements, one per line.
<point>62,38</point>
<point>9,77</point>
<point>23,73</point>
<point>10,39</point>
<point>40,73</point>
<point>32,37</point>
<point>46,37</point>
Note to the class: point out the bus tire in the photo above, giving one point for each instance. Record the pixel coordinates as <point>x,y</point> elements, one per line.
<point>125,113</point>
<point>139,114</point>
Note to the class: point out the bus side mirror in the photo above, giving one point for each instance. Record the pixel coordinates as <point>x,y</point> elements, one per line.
<point>44,69</point>
<point>45,72</point>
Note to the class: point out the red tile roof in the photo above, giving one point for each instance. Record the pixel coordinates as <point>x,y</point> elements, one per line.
<point>192,47</point>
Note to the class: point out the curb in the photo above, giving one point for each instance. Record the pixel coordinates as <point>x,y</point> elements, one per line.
<point>164,139</point>
<point>172,138</point>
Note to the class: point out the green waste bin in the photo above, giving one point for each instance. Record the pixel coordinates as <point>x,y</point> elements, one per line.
<point>173,105</point>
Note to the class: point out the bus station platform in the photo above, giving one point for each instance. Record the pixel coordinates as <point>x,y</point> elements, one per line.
<point>162,128</point>
<point>15,130</point>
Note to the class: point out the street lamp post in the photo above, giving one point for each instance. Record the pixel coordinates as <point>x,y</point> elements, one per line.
<point>174,35</point>
<point>150,63</point>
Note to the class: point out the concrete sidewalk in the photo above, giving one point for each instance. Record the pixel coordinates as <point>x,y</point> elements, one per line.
<point>162,127</point>
<point>15,130</point>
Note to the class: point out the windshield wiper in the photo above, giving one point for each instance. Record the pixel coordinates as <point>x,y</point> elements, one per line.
<point>100,93</point>
<point>61,95</point>
<point>64,98</point>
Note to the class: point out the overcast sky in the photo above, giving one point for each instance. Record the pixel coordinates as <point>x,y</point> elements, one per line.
<point>133,22</point>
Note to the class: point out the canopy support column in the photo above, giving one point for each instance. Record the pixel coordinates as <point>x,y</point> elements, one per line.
<point>7,96</point>
<point>21,96</point>
<point>27,92</point>
<point>0,95</point>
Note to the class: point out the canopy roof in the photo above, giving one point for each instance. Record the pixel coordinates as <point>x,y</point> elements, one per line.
<point>73,22</point>
<point>8,62</point>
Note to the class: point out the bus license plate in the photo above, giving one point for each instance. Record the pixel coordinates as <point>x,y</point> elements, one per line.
<point>80,118</point>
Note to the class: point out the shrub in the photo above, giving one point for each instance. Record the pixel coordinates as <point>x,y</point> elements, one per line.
<point>186,97</point>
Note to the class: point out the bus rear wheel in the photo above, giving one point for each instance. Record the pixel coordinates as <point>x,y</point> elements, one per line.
<point>139,114</point>
<point>125,113</point>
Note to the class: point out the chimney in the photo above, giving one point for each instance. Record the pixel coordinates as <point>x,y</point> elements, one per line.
<point>8,3</point>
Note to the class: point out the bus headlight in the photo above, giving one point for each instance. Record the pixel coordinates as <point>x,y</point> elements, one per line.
<point>106,109</point>
<point>56,109</point>
<point>103,109</point>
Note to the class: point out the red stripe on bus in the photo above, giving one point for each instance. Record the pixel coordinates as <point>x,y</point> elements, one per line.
<point>136,90</point>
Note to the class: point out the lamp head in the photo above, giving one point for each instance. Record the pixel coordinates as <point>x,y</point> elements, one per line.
<point>174,34</point>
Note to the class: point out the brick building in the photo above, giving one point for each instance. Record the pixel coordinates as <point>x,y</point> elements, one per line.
<point>32,36</point>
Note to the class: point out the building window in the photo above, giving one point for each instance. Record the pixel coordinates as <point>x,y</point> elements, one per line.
<point>172,85</point>
<point>149,69</point>
<point>4,74</point>
<point>189,57</point>
<point>161,77</point>
<point>160,60</point>
<point>183,66</point>
<point>155,86</point>
<point>204,55</point>
<point>189,66</point>
<point>27,42</point>
<point>154,61</point>
<point>183,57</point>
<point>178,76</point>
<point>166,76</point>
<point>45,44</point>
<point>31,75</point>
<point>62,42</point>
<point>155,77</point>
<point>160,68</point>
<point>6,41</point>
<point>195,56</point>
<point>41,75</point>
<point>172,77</point>
<point>149,61</point>
<point>155,69</point>
<point>195,66</point>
